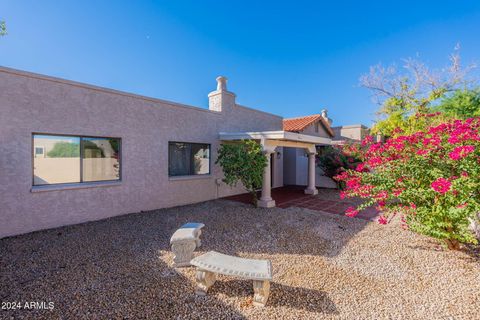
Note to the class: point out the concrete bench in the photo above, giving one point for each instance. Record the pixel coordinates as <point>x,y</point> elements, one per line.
<point>212,262</point>
<point>184,242</point>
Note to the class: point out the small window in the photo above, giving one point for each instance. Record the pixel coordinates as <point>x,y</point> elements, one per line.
<point>316,127</point>
<point>187,159</point>
<point>69,159</point>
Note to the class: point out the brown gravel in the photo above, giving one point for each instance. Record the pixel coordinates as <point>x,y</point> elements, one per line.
<point>325,266</point>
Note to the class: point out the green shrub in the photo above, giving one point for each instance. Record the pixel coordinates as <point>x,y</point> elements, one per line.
<point>243,162</point>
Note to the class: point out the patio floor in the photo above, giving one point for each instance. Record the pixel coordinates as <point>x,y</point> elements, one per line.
<point>327,200</point>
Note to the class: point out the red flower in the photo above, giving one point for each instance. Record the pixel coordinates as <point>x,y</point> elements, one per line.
<point>461,152</point>
<point>422,152</point>
<point>367,140</point>
<point>351,212</point>
<point>441,185</point>
<point>382,220</point>
<point>360,167</point>
<point>353,183</point>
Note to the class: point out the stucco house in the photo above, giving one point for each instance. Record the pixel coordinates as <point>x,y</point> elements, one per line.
<point>350,133</point>
<point>72,152</point>
<point>295,160</point>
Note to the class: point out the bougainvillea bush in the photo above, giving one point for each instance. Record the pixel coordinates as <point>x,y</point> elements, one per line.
<point>431,179</point>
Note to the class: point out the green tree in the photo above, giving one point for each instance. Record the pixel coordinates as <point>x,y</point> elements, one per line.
<point>64,149</point>
<point>3,28</point>
<point>243,162</point>
<point>462,104</point>
<point>413,89</point>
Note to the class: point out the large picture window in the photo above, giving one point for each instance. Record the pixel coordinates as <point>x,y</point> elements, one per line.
<point>187,159</point>
<point>74,159</point>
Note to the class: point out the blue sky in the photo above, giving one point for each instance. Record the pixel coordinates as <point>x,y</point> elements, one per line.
<point>289,58</point>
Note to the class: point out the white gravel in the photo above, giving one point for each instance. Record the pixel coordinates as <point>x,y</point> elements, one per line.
<point>325,266</point>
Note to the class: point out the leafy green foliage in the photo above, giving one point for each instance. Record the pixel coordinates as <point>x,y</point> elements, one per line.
<point>414,89</point>
<point>462,104</point>
<point>243,162</point>
<point>64,149</point>
<point>3,28</point>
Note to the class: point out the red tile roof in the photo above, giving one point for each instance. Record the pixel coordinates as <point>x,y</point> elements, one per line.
<point>299,124</point>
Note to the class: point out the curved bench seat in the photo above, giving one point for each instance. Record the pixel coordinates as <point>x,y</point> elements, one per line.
<point>212,263</point>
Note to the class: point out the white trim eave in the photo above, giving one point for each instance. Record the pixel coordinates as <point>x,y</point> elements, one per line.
<point>274,135</point>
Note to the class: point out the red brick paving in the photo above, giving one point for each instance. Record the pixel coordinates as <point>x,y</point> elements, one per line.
<point>327,200</point>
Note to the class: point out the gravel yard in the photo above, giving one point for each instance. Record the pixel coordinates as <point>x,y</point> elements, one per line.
<point>325,266</point>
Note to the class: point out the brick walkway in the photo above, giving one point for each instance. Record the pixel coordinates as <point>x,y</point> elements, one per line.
<point>327,200</point>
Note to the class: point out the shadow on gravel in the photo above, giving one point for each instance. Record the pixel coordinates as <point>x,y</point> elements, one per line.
<point>280,296</point>
<point>103,270</point>
<point>471,251</point>
<point>111,268</point>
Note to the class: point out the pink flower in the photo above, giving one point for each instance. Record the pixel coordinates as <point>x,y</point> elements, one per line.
<point>375,161</point>
<point>353,183</point>
<point>382,195</point>
<point>422,152</point>
<point>367,140</point>
<point>453,139</point>
<point>382,220</point>
<point>461,206</point>
<point>461,152</point>
<point>351,212</point>
<point>360,167</point>
<point>441,185</point>
<point>398,192</point>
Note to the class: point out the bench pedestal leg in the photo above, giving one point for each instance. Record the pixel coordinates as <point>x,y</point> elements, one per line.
<point>183,252</point>
<point>205,279</point>
<point>261,291</point>
<point>197,240</point>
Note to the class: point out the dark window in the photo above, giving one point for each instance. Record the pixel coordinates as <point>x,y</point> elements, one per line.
<point>187,159</point>
<point>69,159</point>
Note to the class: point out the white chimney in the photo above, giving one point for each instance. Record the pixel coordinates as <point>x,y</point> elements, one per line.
<point>221,98</point>
<point>325,116</point>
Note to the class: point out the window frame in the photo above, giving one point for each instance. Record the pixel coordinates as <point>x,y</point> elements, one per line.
<point>190,175</point>
<point>81,182</point>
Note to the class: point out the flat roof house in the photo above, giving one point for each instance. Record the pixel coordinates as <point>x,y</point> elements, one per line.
<point>72,152</point>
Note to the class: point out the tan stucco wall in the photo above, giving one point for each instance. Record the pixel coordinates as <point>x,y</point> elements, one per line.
<point>310,130</point>
<point>33,103</point>
<point>351,133</point>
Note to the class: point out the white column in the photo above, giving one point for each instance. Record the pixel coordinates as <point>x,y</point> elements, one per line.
<point>311,189</point>
<point>266,200</point>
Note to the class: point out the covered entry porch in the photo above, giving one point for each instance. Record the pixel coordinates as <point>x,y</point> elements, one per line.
<point>270,141</point>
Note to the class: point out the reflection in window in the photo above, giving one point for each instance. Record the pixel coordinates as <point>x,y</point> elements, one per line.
<point>66,159</point>
<point>100,159</point>
<point>56,159</point>
<point>186,159</point>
